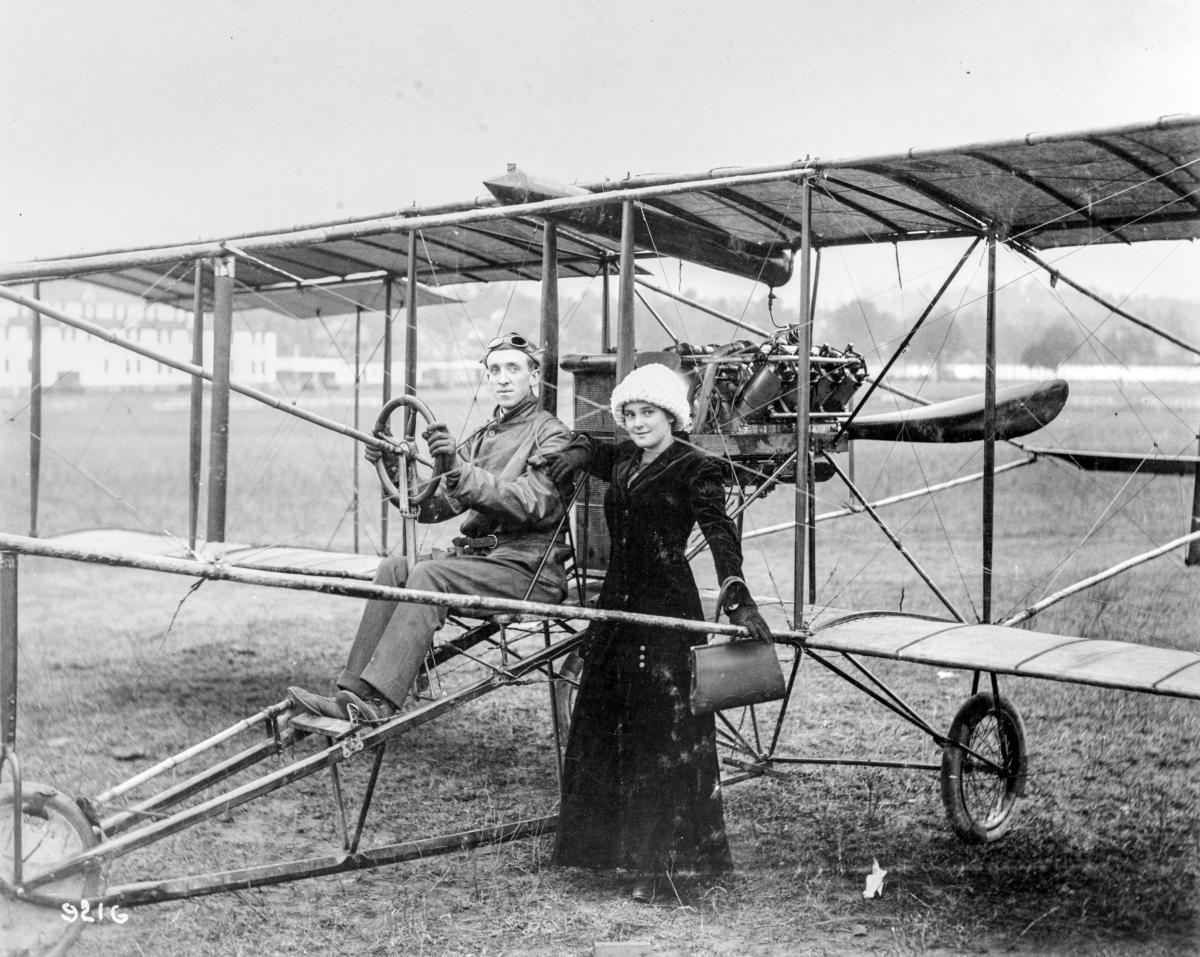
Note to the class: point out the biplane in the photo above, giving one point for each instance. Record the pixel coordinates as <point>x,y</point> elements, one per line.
<point>781,409</point>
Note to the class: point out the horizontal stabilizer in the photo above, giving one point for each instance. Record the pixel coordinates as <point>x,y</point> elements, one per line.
<point>1020,410</point>
<point>1124,461</point>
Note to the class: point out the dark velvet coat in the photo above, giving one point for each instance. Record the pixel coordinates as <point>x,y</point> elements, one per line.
<point>640,779</point>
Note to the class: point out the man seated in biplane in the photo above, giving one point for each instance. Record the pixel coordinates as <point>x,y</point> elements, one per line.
<point>512,522</point>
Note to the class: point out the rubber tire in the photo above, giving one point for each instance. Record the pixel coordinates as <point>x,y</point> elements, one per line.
<point>981,811</point>
<point>60,829</point>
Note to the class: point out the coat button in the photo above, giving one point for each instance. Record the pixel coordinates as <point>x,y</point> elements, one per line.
<point>491,433</point>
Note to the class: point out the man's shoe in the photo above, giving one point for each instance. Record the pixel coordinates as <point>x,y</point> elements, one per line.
<point>313,703</point>
<point>643,890</point>
<point>372,709</point>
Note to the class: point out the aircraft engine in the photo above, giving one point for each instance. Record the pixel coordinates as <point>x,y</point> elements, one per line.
<point>753,389</point>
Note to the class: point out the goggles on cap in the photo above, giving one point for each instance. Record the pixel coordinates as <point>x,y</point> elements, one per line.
<point>512,340</point>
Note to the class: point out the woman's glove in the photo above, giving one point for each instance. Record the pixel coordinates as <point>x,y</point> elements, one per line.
<point>747,617</point>
<point>562,466</point>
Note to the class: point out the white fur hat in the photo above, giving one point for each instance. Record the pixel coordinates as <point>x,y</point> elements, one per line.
<point>658,385</point>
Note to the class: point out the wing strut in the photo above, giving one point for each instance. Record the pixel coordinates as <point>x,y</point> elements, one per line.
<point>804,539</point>
<point>907,339</point>
<point>893,538</point>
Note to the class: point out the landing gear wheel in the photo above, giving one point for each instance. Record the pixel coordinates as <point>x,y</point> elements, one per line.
<point>420,489</point>
<point>981,798</point>
<point>52,828</point>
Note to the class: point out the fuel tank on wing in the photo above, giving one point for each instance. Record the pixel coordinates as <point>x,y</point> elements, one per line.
<point>653,229</point>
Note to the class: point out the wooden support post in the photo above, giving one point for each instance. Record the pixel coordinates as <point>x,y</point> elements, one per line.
<point>989,430</point>
<point>8,651</point>
<point>605,316</point>
<point>549,331</point>
<point>386,397</point>
<point>1193,552</point>
<point>803,508</point>
<point>812,468</point>
<point>35,413</point>
<point>218,440</point>
<point>410,320</point>
<point>196,407</point>
<point>626,345</point>
<point>408,541</point>
<point>357,397</point>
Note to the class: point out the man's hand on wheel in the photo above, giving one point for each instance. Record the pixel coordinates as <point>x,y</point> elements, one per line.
<point>390,458</point>
<point>439,440</point>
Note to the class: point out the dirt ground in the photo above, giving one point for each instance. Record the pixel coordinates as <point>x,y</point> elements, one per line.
<point>1104,859</point>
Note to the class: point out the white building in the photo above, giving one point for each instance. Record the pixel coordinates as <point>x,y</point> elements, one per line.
<point>299,373</point>
<point>73,359</point>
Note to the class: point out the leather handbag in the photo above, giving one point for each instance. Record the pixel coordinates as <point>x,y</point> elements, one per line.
<point>735,674</point>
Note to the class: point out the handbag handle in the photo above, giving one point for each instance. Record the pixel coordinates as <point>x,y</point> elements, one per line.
<point>721,594</point>
<point>721,601</point>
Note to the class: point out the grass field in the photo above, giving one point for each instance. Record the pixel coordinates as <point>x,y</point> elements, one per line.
<point>121,668</point>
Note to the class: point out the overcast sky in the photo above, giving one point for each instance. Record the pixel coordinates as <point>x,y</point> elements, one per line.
<point>135,123</point>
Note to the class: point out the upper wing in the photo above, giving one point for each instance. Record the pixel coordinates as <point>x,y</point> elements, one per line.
<point>1124,185</point>
<point>1013,651</point>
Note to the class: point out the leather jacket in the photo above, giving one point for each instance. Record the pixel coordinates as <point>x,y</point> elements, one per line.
<point>494,484</point>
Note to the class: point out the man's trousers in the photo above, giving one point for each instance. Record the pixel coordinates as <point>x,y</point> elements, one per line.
<point>394,637</point>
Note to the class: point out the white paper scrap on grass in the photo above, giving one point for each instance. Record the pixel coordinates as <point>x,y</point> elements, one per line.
<point>874,886</point>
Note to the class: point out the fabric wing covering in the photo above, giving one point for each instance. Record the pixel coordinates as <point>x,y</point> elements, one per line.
<point>335,278</point>
<point>1119,186</point>
<point>1013,651</point>
<point>1123,185</point>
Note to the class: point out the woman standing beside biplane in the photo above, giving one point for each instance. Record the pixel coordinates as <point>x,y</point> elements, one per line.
<point>640,777</point>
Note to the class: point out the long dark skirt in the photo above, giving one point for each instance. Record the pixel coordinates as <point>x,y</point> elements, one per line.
<point>640,778</point>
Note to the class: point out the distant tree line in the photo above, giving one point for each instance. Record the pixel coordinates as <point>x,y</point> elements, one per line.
<point>1031,333</point>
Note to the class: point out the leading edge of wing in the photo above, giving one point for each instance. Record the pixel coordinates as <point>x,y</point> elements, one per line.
<point>292,559</point>
<point>1014,651</point>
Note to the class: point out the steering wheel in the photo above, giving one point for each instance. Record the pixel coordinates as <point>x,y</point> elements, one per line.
<point>407,448</point>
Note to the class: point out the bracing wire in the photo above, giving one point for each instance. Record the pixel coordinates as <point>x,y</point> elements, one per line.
<point>900,280</point>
